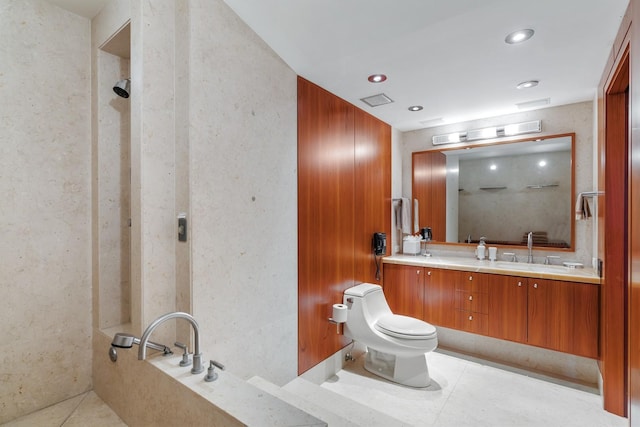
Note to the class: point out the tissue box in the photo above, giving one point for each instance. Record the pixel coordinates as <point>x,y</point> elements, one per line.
<point>411,247</point>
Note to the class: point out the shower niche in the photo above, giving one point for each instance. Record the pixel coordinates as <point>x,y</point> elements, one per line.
<point>112,182</point>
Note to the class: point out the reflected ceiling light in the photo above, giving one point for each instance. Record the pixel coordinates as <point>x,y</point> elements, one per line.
<point>528,84</point>
<point>488,133</point>
<point>519,36</point>
<point>415,108</point>
<point>542,163</point>
<point>493,167</point>
<point>377,78</point>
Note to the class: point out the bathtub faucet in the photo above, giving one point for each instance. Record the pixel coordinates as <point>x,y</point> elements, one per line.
<point>197,356</point>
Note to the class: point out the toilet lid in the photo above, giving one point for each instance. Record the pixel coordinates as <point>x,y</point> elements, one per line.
<point>406,327</point>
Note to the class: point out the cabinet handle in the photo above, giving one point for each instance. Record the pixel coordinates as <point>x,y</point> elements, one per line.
<point>470,317</point>
<point>470,297</point>
<point>535,285</point>
<point>428,273</point>
<point>519,283</point>
<point>470,277</point>
<point>417,271</point>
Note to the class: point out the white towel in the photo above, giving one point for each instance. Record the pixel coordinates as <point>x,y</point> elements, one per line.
<point>583,210</point>
<point>405,217</point>
<point>416,217</point>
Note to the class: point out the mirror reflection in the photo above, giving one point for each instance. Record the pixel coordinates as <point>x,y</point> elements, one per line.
<point>500,192</point>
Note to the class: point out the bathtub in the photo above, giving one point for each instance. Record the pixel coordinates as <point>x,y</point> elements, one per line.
<point>158,391</point>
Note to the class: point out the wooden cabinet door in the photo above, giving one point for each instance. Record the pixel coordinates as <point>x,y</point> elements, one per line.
<point>508,308</point>
<point>404,289</point>
<point>563,316</point>
<point>586,327</point>
<point>440,297</point>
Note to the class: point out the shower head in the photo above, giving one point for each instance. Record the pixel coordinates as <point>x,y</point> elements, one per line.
<point>122,88</point>
<point>121,340</point>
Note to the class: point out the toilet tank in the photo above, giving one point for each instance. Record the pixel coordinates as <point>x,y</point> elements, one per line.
<point>369,300</point>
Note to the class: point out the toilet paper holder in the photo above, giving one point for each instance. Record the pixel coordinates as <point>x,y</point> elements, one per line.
<point>339,315</point>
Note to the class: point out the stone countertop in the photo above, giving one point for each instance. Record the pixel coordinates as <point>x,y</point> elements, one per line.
<point>536,271</point>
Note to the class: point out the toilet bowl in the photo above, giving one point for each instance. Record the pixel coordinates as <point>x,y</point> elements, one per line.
<point>396,344</point>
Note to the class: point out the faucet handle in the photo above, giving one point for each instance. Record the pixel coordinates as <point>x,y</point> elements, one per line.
<point>548,258</point>
<point>211,375</point>
<point>186,361</point>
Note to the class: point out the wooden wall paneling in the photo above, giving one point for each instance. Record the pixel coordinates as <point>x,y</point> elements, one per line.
<point>634,226</point>
<point>326,212</point>
<point>614,283</point>
<point>613,126</point>
<point>372,191</point>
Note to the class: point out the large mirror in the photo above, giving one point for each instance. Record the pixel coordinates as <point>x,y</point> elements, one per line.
<point>499,191</point>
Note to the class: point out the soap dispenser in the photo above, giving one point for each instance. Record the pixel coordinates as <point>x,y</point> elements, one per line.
<point>480,250</point>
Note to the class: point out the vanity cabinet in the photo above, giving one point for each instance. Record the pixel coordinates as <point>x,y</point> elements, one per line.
<point>553,314</point>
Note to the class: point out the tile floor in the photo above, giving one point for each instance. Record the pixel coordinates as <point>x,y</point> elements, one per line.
<point>85,410</point>
<point>468,392</point>
<point>463,393</point>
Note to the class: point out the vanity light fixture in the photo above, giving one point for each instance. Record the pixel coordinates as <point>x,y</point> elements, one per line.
<point>489,133</point>
<point>415,108</point>
<point>519,36</point>
<point>528,84</point>
<point>377,78</point>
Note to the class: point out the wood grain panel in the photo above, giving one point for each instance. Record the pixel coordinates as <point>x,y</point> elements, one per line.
<point>508,308</point>
<point>372,191</point>
<point>326,215</point>
<point>634,226</point>
<point>404,289</point>
<point>440,297</point>
<point>429,187</point>
<point>344,196</point>
<point>615,282</point>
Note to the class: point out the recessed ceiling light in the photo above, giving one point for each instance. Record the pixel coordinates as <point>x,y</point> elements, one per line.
<point>377,78</point>
<point>415,108</point>
<point>528,84</point>
<point>519,36</point>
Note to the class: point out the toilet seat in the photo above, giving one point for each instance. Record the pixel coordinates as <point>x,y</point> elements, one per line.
<point>405,327</point>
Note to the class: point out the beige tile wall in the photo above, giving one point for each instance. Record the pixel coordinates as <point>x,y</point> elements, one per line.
<point>45,273</point>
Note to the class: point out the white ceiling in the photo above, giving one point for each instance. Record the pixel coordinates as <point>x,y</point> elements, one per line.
<point>446,55</point>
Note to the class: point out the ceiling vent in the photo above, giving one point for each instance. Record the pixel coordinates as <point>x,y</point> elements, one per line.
<point>377,100</point>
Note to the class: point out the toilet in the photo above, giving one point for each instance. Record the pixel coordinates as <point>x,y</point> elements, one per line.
<point>396,344</point>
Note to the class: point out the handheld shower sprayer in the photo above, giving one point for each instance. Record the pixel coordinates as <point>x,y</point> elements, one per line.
<point>122,340</point>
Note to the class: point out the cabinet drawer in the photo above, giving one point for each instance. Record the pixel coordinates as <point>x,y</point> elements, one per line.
<point>471,282</point>
<point>472,322</point>
<point>475,302</point>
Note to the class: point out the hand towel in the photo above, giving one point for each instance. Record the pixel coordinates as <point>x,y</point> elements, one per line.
<point>406,215</point>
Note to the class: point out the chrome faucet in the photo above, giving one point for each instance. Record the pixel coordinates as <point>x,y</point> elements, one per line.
<point>530,247</point>
<point>197,356</point>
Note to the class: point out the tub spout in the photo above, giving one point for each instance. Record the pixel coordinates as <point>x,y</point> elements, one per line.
<point>197,356</point>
